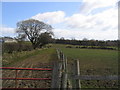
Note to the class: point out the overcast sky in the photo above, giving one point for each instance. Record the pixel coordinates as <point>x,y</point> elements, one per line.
<point>91,19</point>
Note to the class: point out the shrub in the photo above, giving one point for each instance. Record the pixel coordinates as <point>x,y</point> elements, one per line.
<point>11,47</point>
<point>48,46</point>
<point>68,46</point>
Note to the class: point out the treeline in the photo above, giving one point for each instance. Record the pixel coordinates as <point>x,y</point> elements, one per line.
<point>94,44</point>
<point>113,43</point>
<point>89,44</point>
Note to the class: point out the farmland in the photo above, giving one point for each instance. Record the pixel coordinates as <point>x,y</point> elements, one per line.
<point>95,59</point>
<point>40,58</point>
<point>92,62</point>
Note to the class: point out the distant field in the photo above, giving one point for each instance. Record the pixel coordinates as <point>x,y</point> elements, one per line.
<point>93,61</point>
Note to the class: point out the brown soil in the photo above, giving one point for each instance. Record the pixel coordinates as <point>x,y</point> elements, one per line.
<point>32,62</point>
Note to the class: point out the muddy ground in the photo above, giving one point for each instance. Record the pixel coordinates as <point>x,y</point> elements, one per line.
<point>37,61</point>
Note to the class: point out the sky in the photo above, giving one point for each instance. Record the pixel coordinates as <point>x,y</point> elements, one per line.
<point>91,19</point>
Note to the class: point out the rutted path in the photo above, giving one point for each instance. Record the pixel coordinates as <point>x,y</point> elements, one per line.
<point>42,60</point>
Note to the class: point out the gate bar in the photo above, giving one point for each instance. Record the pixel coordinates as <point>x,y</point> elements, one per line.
<point>13,68</point>
<point>25,78</point>
<point>24,88</point>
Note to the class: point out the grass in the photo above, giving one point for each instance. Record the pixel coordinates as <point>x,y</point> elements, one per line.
<point>15,57</point>
<point>92,62</point>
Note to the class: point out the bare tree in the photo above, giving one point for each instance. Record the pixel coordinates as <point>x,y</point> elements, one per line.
<point>34,30</point>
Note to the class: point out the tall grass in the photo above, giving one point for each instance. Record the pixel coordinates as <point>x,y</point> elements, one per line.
<point>9,58</point>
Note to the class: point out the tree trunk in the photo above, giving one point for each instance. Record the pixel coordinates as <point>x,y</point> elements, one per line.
<point>34,46</point>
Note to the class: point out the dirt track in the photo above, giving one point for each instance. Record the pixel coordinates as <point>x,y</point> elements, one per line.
<point>32,62</point>
<point>27,74</point>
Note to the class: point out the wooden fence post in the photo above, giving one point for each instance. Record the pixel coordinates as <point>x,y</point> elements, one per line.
<point>55,76</point>
<point>58,53</point>
<point>59,77</point>
<point>78,85</point>
<point>64,74</point>
<point>57,71</point>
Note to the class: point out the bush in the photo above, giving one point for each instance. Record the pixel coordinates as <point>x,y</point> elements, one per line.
<point>48,46</point>
<point>18,47</point>
<point>77,46</point>
<point>83,47</point>
<point>68,46</point>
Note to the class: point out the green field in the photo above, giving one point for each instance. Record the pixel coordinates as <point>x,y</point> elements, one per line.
<point>92,62</point>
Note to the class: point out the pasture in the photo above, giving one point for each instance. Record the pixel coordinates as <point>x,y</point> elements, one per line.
<point>95,61</point>
<point>101,62</point>
<point>92,62</point>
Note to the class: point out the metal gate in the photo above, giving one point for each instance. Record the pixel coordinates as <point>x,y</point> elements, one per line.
<point>16,78</point>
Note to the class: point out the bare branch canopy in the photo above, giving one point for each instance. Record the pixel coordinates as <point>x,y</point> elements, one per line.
<point>35,30</point>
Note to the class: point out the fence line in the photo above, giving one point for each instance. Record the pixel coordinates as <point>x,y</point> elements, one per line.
<point>95,77</point>
<point>61,78</point>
